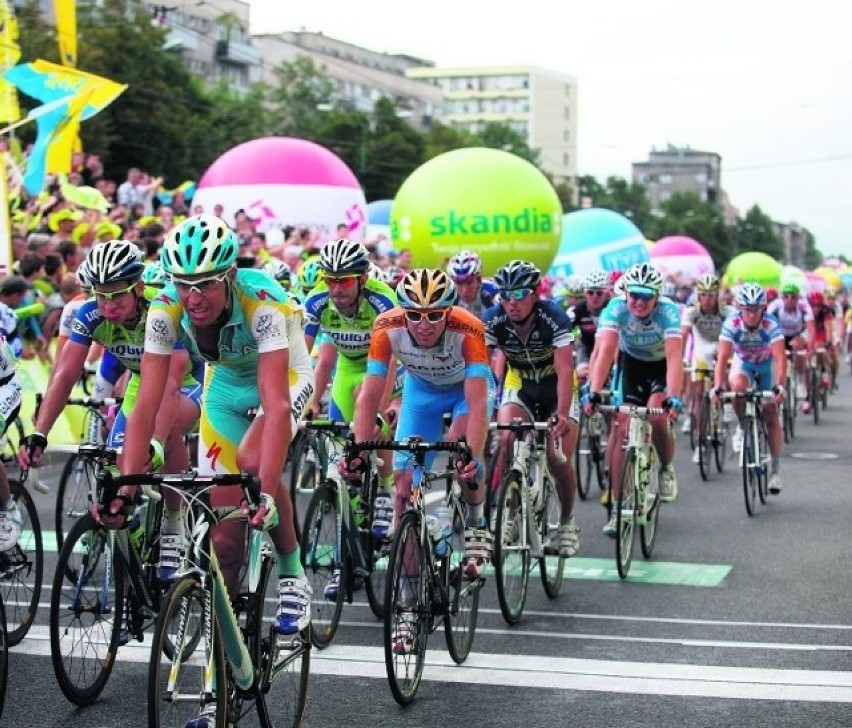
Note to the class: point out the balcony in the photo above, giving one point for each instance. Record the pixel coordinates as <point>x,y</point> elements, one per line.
<point>238,54</point>
<point>180,39</point>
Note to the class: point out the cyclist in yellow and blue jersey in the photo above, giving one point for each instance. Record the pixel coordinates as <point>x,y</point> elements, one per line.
<point>259,381</point>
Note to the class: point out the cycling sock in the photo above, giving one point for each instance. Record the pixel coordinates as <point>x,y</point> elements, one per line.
<point>475,513</point>
<point>776,465</point>
<point>290,564</point>
<point>386,482</point>
<point>172,521</point>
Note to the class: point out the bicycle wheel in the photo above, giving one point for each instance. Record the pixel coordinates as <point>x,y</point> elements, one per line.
<point>85,613</point>
<point>693,432</point>
<point>583,462</point>
<point>814,395</point>
<point>176,687</point>
<point>749,457</point>
<point>598,452</point>
<point>625,520</point>
<point>22,569</point>
<point>791,407</point>
<point>823,391</point>
<point>284,661</point>
<point>511,552</point>
<point>304,475</point>
<point>408,610</point>
<point>721,431</point>
<point>4,657</point>
<point>762,462</point>
<point>324,554</point>
<point>462,593</point>
<point>648,530</point>
<point>705,438</point>
<point>72,494</point>
<point>551,565</point>
<point>376,553</point>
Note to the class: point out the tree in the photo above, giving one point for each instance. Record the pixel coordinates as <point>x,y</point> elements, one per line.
<point>756,231</point>
<point>299,99</point>
<point>501,136</point>
<point>685,213</point>
<point>442,138</point>
<point>813,256</point>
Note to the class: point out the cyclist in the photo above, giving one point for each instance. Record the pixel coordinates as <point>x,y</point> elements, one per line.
<point>115,317</point>
<point>474,294</point>
<point>702,323</point>
<point>824,324</point>
<point>573,292</point>
<point>756,343</point>
<point>442,349</point>
<point>343,309</point>
<point>535,338</point>
<point>10,406</point>
<point>259,380</point>
<point>796,318</point>
<point>584,316</point>
<point>643,329</point>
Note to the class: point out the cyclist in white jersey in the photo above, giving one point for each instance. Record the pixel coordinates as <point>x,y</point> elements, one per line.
<point>796,318</point>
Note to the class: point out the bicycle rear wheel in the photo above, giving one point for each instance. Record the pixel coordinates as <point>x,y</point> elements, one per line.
<point>705,439</point>
<point>625,520</point>
<point>304,475</point>
<point>86,611</point>
<point>72,494</point>
<point>284,661</point>
<point>462,593</point>
<point>511,554</point>
<point>814,395</point>
<point>551,565</point>
<point>408,610</point>
<point>22,568</point>
<point>762,462</point>
<point>583,463</point>
<point>750,464</point>
<point>4,657</point>
<point>648,530</point>
<point>324,554</point>
<point>376,553</point>
<point>176,687</point>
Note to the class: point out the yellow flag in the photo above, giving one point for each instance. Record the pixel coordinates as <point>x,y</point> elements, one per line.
<point>66,30</point>
<point>104,91</point>
<point>10,54</point>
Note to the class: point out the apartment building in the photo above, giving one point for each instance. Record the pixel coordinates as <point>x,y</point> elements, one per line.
<point>680,169</point>
<point>536,102</point>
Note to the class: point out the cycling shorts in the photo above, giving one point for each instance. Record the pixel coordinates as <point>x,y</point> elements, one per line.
<point>640,379</point>
<point>538,399</point>
<point>760,375</point>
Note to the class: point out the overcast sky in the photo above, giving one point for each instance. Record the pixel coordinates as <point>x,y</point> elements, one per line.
<point>764,84</point>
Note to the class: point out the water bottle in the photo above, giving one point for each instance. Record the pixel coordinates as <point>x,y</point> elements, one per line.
<point>137,525</point>
<point>355,504</point>
<point>444,527</point>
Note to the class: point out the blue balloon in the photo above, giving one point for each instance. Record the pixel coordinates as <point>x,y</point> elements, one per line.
<point>378,212</point>
<point>596,239</point>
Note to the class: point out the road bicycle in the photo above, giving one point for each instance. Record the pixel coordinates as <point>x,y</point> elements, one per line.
<point>337,541</point>
<point>22,567</point>
<point>211,656</point>
<point>105,588</point>
<point>790,406</point>
<point>638,503</point>
<point>424,587</point>
<point>75,489</point>
<point>705,377</point>
<point>755,457</point>
<point>713,434</point>
<point>527,520</point>
<point>306,472</point>
<point>590,453</point>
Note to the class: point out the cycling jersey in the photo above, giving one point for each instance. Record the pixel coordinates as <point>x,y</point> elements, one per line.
<point>823,315</point>
<point>460,353</point>
<point>531,357</point>
<point>751,345</point>
<point>351,336</point>
<point>587,323</point>
<point>484,301</point>
<point>642,339</point>
<point>10,387</point>
<point>705,328</point>
<point>792,322</point>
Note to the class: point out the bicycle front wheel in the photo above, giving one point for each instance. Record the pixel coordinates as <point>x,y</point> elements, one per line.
<point>324,558</point>
<point>750,465</point>
<point>304,475</point>
<point>551,565</point>
<point>22,568</point>
<point>763,462</point>
<point>86,611</point>
<point>462,593</point>
<point>176,687</point>
<point>408,610</point>
<point>705,438</point>
<point>4,657</point>
<point>376,553</point>
<point>583,463</point>
<point>626,516</point>
<point>511,552</point>
<point>284,661</point>
<point>648,528</point>
<point>72,494</point>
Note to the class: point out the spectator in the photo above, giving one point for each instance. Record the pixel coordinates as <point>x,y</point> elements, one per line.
<point>70,254</point>
<point>92,171</point>
<point>139,187</point>
<point>62,223</point>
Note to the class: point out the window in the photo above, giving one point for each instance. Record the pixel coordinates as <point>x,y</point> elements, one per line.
<point>565,159</point>
<point>701,178</point>
<point>567,114</point>
<point>665,179</point>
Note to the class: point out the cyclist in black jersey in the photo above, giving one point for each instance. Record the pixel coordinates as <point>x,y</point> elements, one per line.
<point>584,317</point>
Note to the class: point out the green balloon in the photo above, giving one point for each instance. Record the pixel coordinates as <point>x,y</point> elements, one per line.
<point>753,267</point>
<point>485,200</point>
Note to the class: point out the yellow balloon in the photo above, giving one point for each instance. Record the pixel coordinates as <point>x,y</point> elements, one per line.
<point>830,277</point>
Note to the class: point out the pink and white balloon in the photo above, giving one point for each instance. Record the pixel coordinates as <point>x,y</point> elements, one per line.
<point>283,181</point>
<point>681,258</point>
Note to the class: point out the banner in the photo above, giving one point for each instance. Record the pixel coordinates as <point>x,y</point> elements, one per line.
<point>66,30</point>
<point>5,230</point>
<point>10,54</point>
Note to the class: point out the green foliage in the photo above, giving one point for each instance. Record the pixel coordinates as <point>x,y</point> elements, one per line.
<point>756,231</point>
<point>685,213</point>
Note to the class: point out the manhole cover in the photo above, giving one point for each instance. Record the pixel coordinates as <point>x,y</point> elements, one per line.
<point>815,455</point>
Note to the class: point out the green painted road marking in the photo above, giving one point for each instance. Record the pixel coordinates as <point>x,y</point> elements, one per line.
<point>648,572</point>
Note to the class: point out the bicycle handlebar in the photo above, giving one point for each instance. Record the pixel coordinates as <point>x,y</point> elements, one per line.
<point>633,410</point>
<point>189,481</point>
<point>748,394</point>
<point>413,445</point>
<point>518,424</point>
<point>337,428</point>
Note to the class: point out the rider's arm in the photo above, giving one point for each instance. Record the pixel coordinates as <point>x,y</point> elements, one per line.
<point>674,365</point>
<point>167,412</point>
<point>476,397</point>
<point>322,373</point>
<point>367,405</point>
<point>779,354</point>
<point>723,354</point>
<point>153,378</point>
<point>563,361</point>
<point>606,346</point>
<point>64,378</point>
<point>277,430</point>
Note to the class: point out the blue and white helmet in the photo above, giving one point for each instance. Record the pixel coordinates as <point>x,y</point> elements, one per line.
<point>596,280</point>
<point>750,294</point>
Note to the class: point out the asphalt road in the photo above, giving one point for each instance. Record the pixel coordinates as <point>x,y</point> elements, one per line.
<point>736,621</point>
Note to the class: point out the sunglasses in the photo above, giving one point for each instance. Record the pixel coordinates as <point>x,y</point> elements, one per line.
<point>644,297</point>
<point>751,309</point>
<point>595,292</point>
<point>341,281</point>
<point>514,294</point>
<point>201,286</point>
<point>433,317</point>
<point>790,295</point>
<point>112,295</point>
